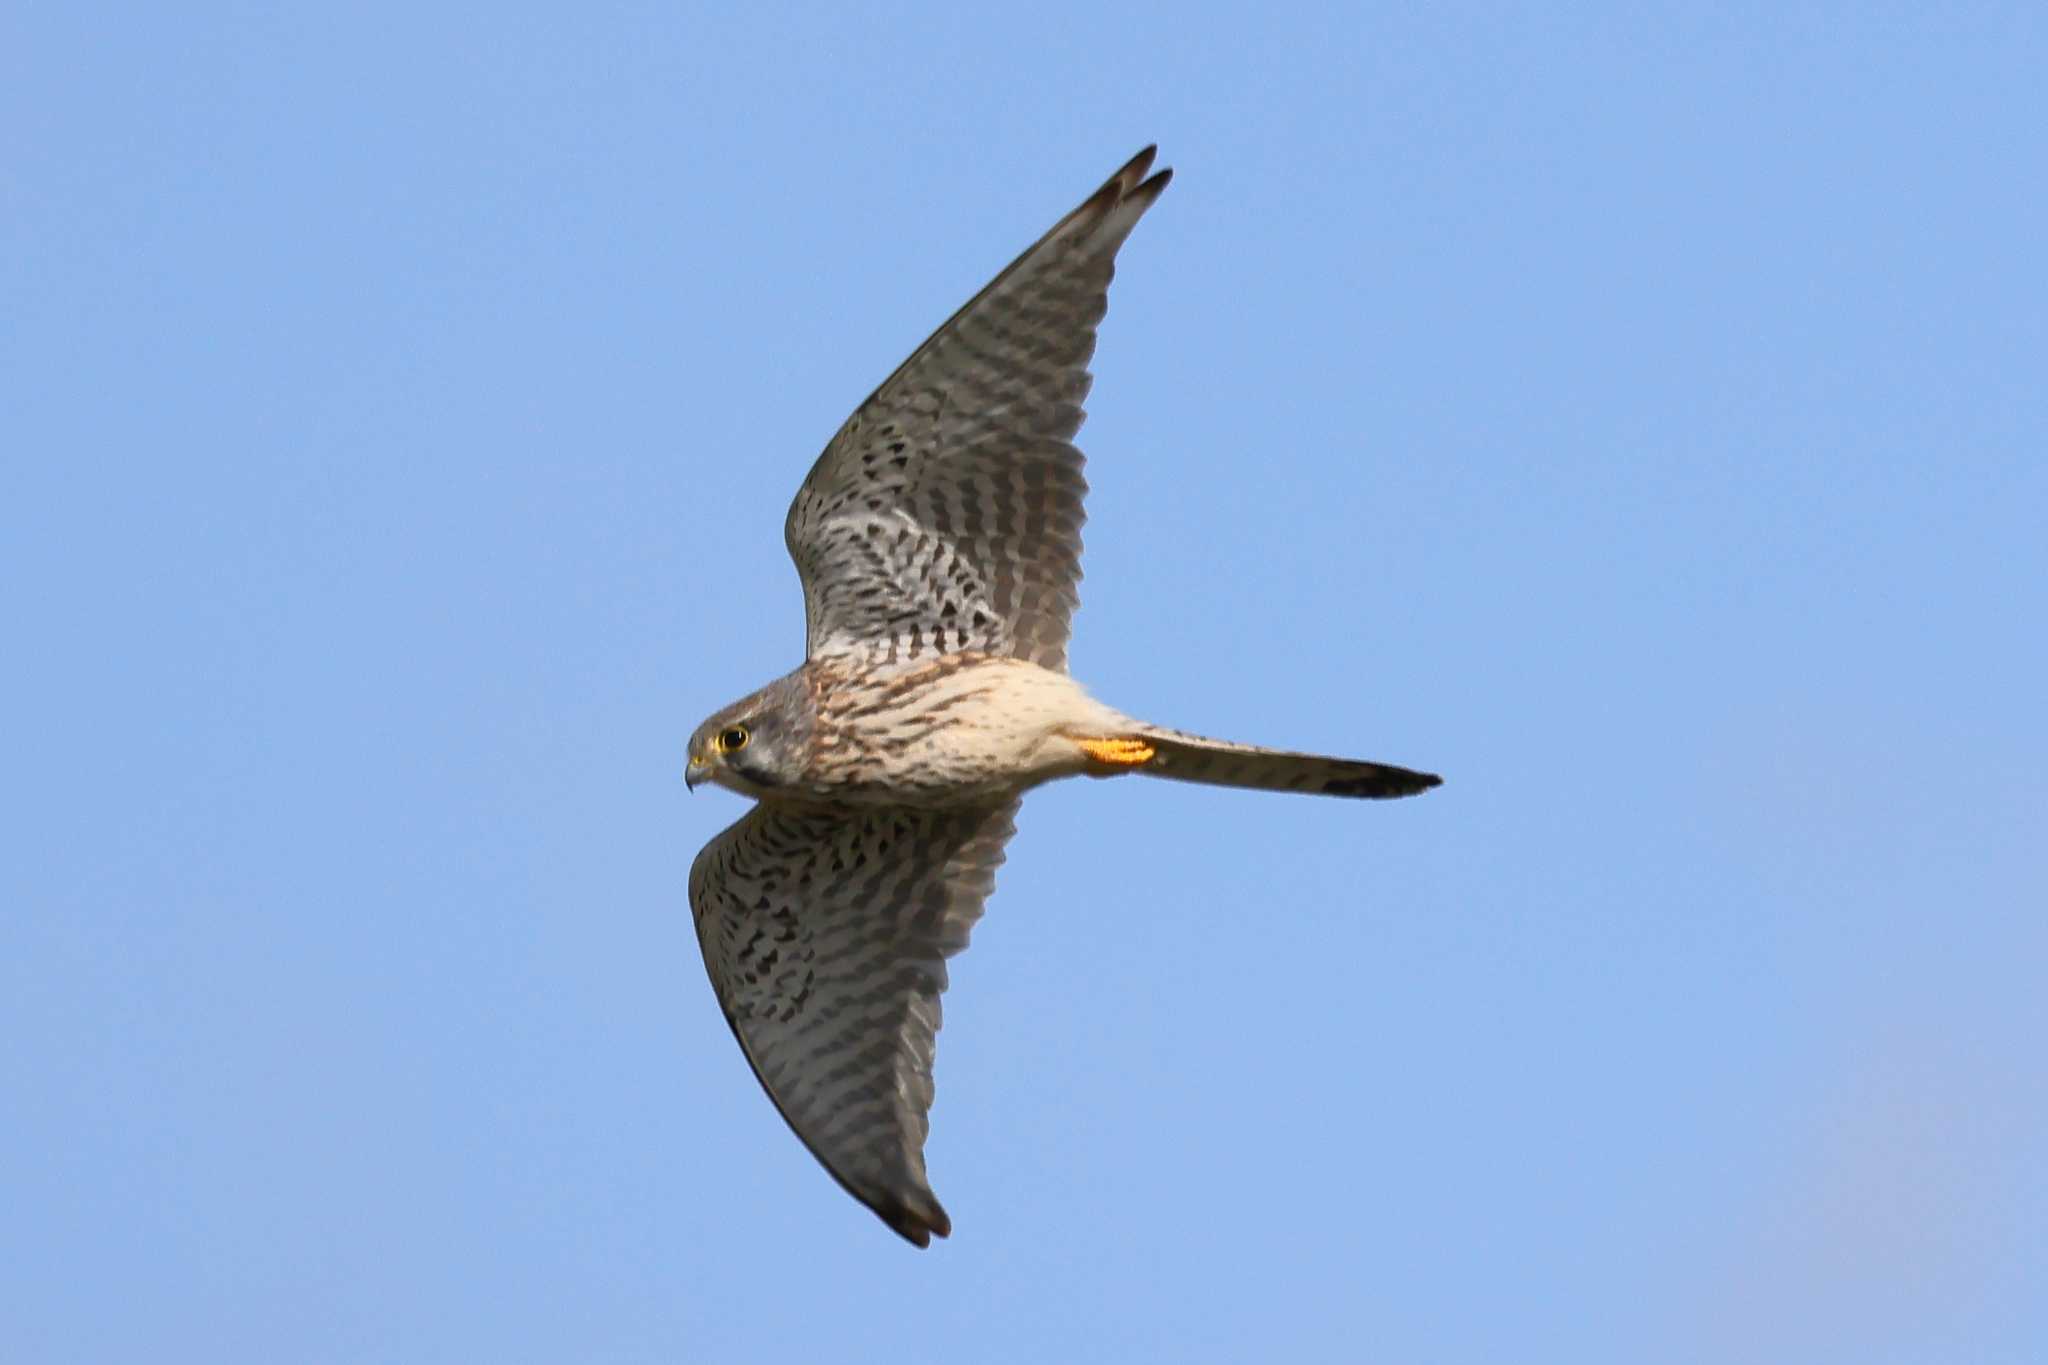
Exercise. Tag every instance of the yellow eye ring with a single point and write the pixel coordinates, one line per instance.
(732, 739)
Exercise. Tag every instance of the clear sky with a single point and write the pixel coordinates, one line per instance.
(1639, 421)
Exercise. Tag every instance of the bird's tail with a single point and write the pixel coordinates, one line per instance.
(1158, 752)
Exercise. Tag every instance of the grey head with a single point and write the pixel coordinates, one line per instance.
(757, 745)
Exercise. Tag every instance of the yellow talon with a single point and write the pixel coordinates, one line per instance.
(1118, 753)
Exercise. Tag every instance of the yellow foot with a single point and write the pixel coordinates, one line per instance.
(1118, 753)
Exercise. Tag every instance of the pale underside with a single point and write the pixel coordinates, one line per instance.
(944, 517)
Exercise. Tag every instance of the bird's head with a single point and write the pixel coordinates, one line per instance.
(755, 745)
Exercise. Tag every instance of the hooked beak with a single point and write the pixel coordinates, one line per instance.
(698, 771)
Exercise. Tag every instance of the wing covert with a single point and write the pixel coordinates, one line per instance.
(825, 932)
(946, 513)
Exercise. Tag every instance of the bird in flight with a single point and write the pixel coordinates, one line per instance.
(939, 539)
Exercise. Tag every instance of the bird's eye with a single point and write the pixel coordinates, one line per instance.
(732, 740)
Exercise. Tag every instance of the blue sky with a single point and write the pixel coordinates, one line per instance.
(1637, 419)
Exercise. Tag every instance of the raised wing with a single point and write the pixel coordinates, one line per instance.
(946, 514)
(826, 934)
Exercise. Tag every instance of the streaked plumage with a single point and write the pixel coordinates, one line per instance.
(938, 539)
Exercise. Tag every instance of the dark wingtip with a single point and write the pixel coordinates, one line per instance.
(917, 1229)
(1137, 185)
(1129, 182)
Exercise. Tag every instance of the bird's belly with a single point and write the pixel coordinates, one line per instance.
(966, 729)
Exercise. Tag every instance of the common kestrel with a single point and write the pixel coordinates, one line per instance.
(938, 539)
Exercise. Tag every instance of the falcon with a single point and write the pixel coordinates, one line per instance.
(938, 539)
